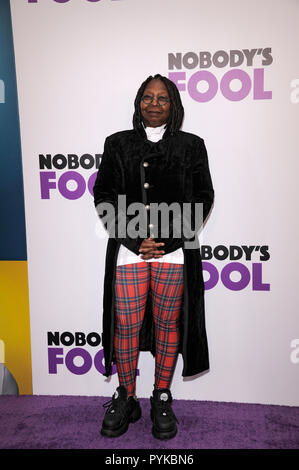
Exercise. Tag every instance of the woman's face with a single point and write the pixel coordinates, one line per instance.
(154, 115)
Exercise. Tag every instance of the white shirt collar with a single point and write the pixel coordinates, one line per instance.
(155, 132)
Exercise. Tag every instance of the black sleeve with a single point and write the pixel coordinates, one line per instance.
(106, 189)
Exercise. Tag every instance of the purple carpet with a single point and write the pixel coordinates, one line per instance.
(73, 422)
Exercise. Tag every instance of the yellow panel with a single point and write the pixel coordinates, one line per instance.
(15, 323)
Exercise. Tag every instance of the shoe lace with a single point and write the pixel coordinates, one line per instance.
(108, 404)
(113, 404)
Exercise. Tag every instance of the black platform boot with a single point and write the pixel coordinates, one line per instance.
(162, 415)
(121, 411)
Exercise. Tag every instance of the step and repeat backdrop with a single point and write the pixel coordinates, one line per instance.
(78, 65)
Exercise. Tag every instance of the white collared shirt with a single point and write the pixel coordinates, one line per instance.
(125, 256)
(154, 134)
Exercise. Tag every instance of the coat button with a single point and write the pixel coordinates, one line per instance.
(145, 164)
(147, 207)
(146, 185)
(151, 225)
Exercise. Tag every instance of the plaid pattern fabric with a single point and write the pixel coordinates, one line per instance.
(131, 289)
(167, 291)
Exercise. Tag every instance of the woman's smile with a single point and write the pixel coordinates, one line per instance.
(155, 114)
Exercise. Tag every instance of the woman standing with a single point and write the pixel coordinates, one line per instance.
(153, 286)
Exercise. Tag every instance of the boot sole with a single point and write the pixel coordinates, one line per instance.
(163, 435)
(135, 416)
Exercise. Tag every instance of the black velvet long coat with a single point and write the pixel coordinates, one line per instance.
(177, 170)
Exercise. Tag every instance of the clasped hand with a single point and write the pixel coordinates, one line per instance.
(149, 249)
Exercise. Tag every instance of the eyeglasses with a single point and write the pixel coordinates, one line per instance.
(161, 100)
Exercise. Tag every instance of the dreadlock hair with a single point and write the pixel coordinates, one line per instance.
(176, 108)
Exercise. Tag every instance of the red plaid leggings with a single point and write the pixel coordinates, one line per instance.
(131, 288)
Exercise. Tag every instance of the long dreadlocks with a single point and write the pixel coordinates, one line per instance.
(176, 108)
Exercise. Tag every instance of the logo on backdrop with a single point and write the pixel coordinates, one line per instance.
(70, 183)
(234, 85)
(243, 266)
(77, 352)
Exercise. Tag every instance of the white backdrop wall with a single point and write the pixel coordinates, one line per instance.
(79, 65)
